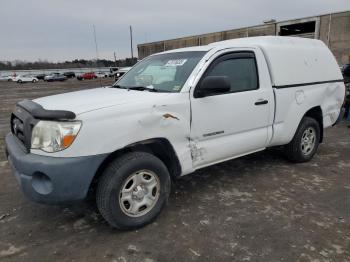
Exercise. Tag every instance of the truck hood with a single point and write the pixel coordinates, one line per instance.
(93, 99)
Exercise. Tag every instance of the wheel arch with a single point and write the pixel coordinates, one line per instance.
(160, 147)
(316, 113)
(285, 130)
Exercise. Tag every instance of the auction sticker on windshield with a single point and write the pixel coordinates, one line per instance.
(176, 62)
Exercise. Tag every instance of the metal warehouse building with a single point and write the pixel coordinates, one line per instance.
(333, 29)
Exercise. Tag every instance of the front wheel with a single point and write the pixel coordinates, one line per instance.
(305, 141)
(133, 190)
(34, 81)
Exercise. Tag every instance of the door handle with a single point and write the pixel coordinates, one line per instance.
(261, 102)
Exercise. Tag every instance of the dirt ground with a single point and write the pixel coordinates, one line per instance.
(256, 208)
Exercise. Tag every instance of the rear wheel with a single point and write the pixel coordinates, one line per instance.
(19, 81)
(133, 190)
(305, 141)
(34, 81)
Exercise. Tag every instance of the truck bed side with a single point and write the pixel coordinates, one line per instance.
(305, 76)
(294, 102)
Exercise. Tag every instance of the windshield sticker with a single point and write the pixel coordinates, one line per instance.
(176, 62)
(176, 88)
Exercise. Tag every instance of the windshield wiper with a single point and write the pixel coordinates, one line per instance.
(141, 88)
(118, 86)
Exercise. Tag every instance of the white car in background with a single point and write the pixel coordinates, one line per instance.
(5, 78)
(121, 72)
(25, 79)
(101, 74)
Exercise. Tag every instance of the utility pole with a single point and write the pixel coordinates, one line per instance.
(115, 60)
(96, 47)
(97, 56)
(132, 52)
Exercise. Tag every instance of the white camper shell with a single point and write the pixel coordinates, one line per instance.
(291, 60)
(171, 114)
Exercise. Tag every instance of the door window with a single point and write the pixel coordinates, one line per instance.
(241, 71)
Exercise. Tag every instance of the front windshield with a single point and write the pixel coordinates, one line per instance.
(163, 73)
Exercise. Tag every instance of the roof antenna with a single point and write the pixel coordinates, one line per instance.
(97, 57)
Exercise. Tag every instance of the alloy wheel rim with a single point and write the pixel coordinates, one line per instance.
(308, 141)
(139, 193)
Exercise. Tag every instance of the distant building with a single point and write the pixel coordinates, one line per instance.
(333, 29)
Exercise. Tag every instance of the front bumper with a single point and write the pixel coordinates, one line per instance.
(51, 180)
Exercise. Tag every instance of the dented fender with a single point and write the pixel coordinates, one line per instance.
(293, 103)
(163, 115)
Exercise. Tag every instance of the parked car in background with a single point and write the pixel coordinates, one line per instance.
(101, 74)
(5, 78)
(69, 74)
(87, 76)
(112, 71)
(26, 79)
(40, 76)
(55, 77)
(121, 72)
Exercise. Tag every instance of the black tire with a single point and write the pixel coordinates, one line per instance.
(294, 150)
(112, 181)
(33, 81)
(19, 81)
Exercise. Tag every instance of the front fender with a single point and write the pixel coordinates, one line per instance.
(109, 129)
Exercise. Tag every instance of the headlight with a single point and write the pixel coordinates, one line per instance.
(51, 136)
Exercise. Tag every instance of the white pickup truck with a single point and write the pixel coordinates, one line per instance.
(171, 114)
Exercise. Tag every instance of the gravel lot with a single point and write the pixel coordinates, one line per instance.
(256, 208)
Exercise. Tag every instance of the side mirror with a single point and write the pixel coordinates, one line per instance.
(213, 85)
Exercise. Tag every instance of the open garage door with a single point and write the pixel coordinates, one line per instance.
(301, 28)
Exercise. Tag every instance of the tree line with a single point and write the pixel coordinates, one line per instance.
(76, 63)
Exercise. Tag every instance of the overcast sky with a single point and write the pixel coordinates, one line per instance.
(59, 30)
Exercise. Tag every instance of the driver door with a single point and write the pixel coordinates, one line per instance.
(234, 123)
